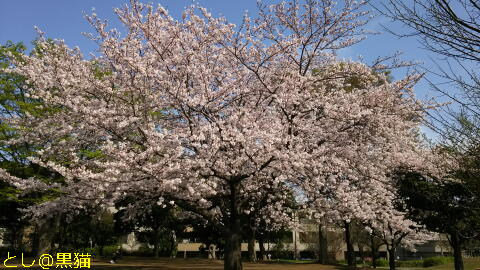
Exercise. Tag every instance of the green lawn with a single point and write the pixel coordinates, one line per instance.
(470, 264)
(140, 263)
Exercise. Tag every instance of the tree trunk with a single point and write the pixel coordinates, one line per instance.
(156, 242)
(350, 250)
(233, 237)
(251, 247)
(322, 245)
(34, 240)
(233, 253)
(457, 251)
(361, 253)
(391, 257)
(374, 250)
(156, 252)
(261, 244)
(173, 247)
(46, 232)
(295, 248)
(14, 239)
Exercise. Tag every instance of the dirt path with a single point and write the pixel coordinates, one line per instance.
(141, 263)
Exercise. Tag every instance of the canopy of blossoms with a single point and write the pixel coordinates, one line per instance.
(216, 116)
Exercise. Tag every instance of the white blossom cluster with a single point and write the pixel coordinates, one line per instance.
(227, 120)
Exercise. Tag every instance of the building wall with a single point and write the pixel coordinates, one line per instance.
(305, 244)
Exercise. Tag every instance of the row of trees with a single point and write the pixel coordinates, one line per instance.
(450, 30)
(240, 127)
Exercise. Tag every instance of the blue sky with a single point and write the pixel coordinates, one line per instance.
(64, 20)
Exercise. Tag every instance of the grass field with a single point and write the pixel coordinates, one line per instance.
(131, 263)
(141, 263)
(469, 263)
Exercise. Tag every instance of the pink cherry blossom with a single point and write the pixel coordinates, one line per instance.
(215, 115)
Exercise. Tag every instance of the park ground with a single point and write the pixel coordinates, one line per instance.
(141, 263)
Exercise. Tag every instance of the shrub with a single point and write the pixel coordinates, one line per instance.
(308, 254)
(432, 261)
(109, 250)
(412, 263)
(382, 263)
(144, 251)
(92, 251)
(4, 251)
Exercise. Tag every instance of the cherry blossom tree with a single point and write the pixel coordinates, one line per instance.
(392, 224)
(213, 115)
(394, 229)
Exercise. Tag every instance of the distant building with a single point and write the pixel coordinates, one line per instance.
(305, 242)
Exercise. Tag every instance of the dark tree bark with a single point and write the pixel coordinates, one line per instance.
(233, 255)
(350, 250)
(391, 257)
(251, 247)
(374, 249)
(322, 245)
(14, 239)
(361, 253)
(233, 234)
(156, 243)
(261, 244)
(173, 246)
(156, 249)
(456, 243)
(35, 240)
(46, 232)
